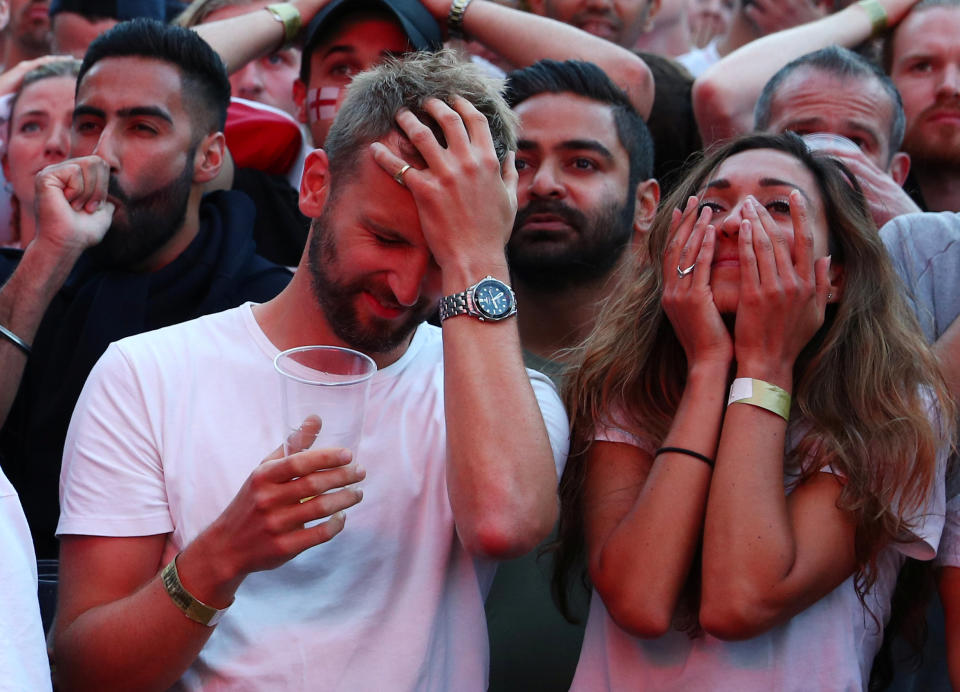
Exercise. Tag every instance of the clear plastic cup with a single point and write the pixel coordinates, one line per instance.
(329, 383)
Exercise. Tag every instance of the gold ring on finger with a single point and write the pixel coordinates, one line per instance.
(398, 176)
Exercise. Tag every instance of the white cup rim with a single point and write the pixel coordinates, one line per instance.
(345, 383)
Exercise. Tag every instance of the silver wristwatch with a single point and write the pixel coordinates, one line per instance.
(488, 299)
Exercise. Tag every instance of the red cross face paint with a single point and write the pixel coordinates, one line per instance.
(323, 103)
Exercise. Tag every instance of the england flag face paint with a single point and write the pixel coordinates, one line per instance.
(323, 103)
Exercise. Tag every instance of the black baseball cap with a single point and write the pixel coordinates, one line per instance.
(418, 24)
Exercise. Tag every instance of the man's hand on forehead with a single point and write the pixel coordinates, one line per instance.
(465, 198)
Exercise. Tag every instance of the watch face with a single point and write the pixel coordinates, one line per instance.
(492, 298)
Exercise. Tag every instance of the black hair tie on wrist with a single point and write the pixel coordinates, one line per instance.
(689, 452)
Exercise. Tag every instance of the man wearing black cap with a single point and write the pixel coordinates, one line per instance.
(347, 37)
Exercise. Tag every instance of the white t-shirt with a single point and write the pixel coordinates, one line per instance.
(169, 426)
(830, 646)
(23, 651)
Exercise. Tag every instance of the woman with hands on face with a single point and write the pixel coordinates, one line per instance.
(757, 438)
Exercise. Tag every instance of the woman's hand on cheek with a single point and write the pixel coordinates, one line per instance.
(783, 295)
(688, 299)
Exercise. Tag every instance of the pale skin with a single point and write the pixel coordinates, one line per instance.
(523, 39)
(124, 632)
(724, 96)
(766, 555)
(246, 37)
(883, 191)
(70, 186)
(501, 487)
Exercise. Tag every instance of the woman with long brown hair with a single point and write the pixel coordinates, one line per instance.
(757, 438)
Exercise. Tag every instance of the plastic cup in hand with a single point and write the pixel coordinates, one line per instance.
(326, 383)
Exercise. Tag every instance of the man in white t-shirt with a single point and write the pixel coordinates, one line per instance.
(412, 199)
(23, 660)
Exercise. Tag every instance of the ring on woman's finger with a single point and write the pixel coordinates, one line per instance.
(683, 272)
(398, 176)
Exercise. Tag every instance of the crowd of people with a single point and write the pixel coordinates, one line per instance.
(663, 298)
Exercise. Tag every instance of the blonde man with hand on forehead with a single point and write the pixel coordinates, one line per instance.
(461, 446)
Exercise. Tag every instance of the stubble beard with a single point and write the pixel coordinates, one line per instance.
(145, 223)
(933, 146)
(337, 299)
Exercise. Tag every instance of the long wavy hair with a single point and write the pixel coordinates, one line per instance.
(862, 385)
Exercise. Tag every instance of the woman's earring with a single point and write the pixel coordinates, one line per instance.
(829, 296)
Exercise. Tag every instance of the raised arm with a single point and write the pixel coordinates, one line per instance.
(725, 95)
(238, 40)
(73, 215)
(501, 475)
(524, 38)
(644, 513)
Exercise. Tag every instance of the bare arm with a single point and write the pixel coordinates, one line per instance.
(644, 515)
(72, 217)
(524, 38)
(724, 96)
(116, 626)
(238, 40)
(501, 477)
(23, 301)
(767, 556)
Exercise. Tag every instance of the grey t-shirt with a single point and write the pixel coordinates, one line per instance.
(925, 249)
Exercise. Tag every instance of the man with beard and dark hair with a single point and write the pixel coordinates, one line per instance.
(413, 199)
(586, 200)
(585, 194)
(126, 241)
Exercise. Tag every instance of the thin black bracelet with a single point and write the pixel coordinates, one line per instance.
(15, 340)
(689, 452)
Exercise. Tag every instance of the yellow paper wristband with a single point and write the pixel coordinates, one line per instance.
(289, 16)
(877, 15)
(746, 390)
